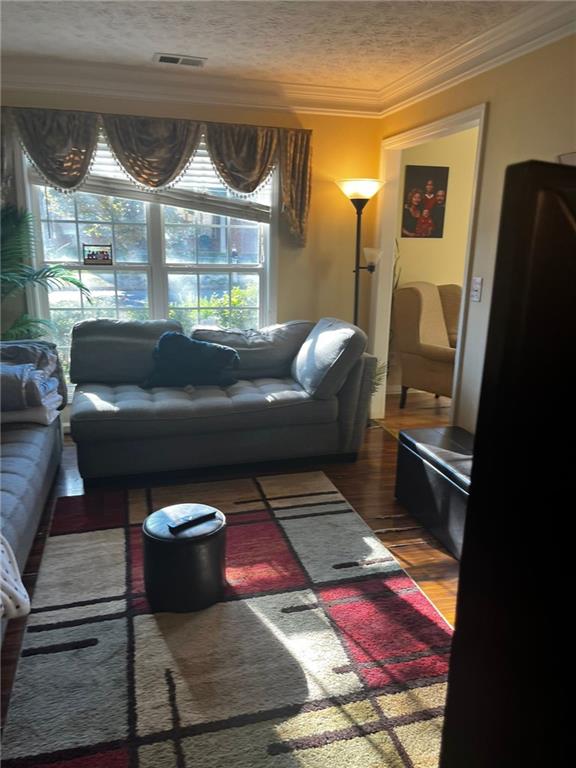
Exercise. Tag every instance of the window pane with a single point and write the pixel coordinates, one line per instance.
(63, 320)
(183, 290)
(214, 289)
(243, 318)
(102, 288)
(134, 314)
(187, 317)
(214, 317)
(180, 244)
(181, 216)
(59, 241)
(130, 241)
(56, 205)
(93, 207)
(244, 244)
(132, 290)
(95, 234)
(245, 290)
(211, 245)
(67, 296)
(174, 215)
(129, 211)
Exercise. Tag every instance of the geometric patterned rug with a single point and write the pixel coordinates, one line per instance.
(323, 654)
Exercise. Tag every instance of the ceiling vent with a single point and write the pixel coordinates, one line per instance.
(175, 59)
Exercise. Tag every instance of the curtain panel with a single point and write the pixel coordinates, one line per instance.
(295, 180)
(60, 144)
(244, 155)
(154, 152)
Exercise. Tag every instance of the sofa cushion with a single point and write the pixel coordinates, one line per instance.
(268, 352)
(179, 360)
(327, 357)
(115, 351)
(103, 412)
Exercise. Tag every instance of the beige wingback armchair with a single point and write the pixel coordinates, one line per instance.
(425, 334)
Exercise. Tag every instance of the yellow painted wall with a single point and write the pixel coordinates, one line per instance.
(441, 260)
(531, 115)
(314, 281)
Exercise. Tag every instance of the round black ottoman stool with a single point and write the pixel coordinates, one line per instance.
(184, 549)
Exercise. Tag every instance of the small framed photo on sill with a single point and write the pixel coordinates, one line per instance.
(97, 255)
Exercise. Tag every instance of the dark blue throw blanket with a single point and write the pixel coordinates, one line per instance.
(179, 360)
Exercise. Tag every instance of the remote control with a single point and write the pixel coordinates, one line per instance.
(190, 521)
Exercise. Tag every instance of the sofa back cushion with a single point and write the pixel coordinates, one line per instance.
(327, 357)
(266, 353)
(115, 351)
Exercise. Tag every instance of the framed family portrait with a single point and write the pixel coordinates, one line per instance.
(97, 255)
(424, 201)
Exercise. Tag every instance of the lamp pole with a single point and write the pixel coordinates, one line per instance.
(359, 192)
(359, 203)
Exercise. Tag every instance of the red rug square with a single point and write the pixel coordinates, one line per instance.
(118, 758)
(416, 669)
(258, 559)
(389, 626)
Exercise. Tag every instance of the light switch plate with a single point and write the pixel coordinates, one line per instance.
(476, 289)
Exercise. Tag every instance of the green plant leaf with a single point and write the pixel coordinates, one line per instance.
(17, 247)
(26, 327)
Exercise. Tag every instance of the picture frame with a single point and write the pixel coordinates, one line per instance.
(97, 254)
(424, 201)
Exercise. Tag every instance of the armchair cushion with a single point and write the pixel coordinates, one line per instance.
(435, 352)
(327, 357)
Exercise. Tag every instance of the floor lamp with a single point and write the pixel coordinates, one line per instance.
(359, 191)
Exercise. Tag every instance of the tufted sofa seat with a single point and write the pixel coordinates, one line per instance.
(104, 412)
(303, 390)
(30, 457)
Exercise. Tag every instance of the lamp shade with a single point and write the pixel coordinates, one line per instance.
(360, 189)
(372, 255)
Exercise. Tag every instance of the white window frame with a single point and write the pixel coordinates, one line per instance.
(156, 267)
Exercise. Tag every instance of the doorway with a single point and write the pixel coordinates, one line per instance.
(438, 260)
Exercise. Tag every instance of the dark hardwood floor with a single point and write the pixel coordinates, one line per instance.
(368, 484)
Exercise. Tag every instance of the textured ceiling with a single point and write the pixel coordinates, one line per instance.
(341, 43)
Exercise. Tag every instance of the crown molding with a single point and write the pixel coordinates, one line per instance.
(40, 76)
(535, 28)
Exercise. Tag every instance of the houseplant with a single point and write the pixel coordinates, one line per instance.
(17, 273)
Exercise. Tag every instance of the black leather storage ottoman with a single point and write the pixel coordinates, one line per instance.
(184, 557)
(433, 480)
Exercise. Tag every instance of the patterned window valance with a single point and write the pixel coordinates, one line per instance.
(155, 151)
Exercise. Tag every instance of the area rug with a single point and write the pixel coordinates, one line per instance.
(324, 653)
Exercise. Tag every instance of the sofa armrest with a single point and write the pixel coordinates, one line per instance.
(354, 403)
(327, 356)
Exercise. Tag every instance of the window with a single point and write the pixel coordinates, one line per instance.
(195, 252)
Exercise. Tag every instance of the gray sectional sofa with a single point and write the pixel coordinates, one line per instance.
(30, 458)
(303, 390)
(30, 454)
